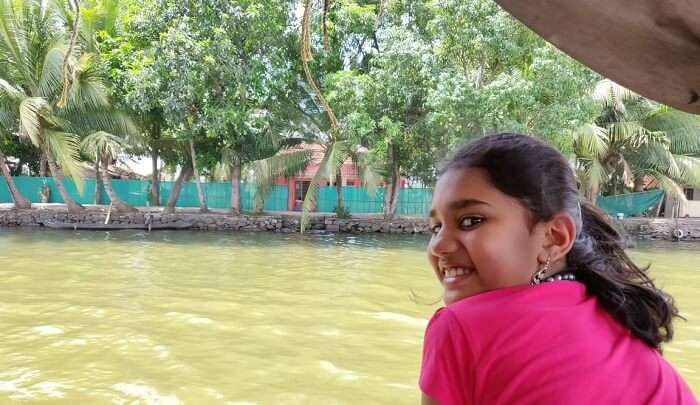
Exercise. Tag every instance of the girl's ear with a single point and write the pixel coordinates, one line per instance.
(559, 237)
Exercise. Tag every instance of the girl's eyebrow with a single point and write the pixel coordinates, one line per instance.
(459, 204)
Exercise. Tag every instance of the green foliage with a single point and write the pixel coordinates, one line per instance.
(632, 139)
(33, 49)
(407, 80)
(498, 75)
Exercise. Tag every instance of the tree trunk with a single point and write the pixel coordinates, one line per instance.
(340, 203)
(175, 192)
(17, 197)
(155, 174)
(236, 187)
(200, 191)
(117, 202)
(155, 179)
(391, 189)
(638, 183)
(42, 165)
(593, 196)
(98, 182)
(672, 207)
(57, 173)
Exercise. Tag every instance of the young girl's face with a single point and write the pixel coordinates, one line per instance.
(482, 239)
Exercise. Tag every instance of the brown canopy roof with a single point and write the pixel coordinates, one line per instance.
(649, 46)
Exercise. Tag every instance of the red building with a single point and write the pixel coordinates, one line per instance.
(299, 184)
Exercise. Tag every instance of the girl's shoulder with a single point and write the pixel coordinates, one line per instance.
(531, 311)
(530, 299)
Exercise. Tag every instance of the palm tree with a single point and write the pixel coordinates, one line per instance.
(17, 197)
(336, 151)
(266, 149)
(634, 138)
(53, 103)
(287, 163)
(106, 147)
(326, 127)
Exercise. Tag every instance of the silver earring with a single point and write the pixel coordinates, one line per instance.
(541, 273)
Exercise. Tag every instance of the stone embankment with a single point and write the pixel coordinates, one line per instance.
(288, 222)
(635, 228)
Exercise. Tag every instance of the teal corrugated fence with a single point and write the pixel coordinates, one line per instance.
(358, 200)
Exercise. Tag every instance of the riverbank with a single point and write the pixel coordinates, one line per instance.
(635, 228)
(216, 220)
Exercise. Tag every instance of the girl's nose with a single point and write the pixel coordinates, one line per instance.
(442, 243)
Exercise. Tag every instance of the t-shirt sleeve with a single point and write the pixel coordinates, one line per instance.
(445, 375)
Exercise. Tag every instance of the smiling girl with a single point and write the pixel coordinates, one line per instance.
(543, 305)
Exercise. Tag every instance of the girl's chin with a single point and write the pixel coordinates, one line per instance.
(458, 288)
(452, 296)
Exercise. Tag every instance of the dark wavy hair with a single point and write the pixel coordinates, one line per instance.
(537, 175)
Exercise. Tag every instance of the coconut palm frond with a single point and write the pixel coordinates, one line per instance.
(624, 131)
(10, 98)
(13, 39)
(673, 171)
(286, 164)
(87, 91)
(591, 140)
(368, 169)
(596, 174)
(65, 147)
(611, 94)
(51, 80)
(103, 144)
(337, 152)
(668, 185)
(654, 156)
(312, 192)
(31, 112)
(682, 129)
(112, 121)
(8, 118)
(10, 93)
(689, 168)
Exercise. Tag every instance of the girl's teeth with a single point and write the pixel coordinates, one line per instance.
(454, 272)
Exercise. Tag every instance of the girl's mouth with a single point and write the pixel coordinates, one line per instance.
(450, 275)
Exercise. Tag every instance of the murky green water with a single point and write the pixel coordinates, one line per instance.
(169, 318)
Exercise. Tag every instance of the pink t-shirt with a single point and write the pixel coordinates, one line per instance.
(548, 344)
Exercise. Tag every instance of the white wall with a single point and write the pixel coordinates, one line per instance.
(692, 209)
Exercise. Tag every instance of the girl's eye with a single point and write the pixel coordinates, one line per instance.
(434, 229)
(470, 222)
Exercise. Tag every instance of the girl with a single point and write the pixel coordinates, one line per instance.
(543, 305)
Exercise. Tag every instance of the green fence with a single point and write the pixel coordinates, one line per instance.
(357, 200)
(632, 204)
(30, 188)
(136, 193)
(412, 201)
